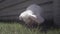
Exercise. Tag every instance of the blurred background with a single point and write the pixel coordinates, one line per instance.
(11, 9)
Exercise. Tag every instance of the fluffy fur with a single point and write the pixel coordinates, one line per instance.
(32, 15)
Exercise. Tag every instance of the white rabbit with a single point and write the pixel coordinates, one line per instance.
(31, 14)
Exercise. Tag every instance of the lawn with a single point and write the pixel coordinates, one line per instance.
(16, 28)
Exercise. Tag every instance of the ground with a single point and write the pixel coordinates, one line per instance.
(17, 28)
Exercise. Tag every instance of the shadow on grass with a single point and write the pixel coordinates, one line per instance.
(47, 25)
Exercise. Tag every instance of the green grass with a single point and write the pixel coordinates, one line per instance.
(16, 28)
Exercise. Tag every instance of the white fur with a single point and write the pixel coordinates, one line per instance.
(32, 12)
